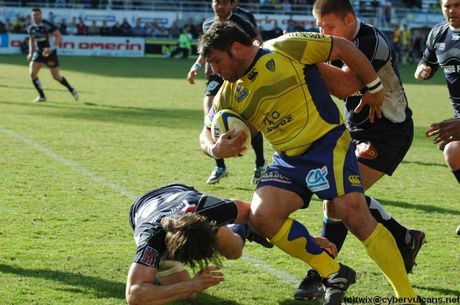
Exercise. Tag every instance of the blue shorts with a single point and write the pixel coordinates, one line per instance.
(213, 85)
(328, 169)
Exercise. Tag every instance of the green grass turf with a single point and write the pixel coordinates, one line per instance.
(70, 171)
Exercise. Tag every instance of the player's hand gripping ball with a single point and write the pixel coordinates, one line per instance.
(226, 119)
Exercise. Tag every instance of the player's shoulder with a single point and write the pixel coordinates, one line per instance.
(437, 32)
(207, 24)
(49, 24)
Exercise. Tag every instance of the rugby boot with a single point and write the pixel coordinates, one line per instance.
(336, 284)
(39, 99)
(411, 249)
(217, 174)
(310, 288)
(75, 94)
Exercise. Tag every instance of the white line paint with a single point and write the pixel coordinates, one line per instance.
(72, 164)
(281, 275)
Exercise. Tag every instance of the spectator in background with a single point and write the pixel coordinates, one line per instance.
(63, 26)
(81, 28)
(405, 43)
(276, 31)
(126, 29)
(93, 29)
(19, 25)
(175, 31)
(105, 29)
(148, 29)
(138, 29)
(2, 27)
(287, 7)
(397, 42)
(72, 26)
(194, 30)
(116, 29)
(185, 44)
(8, 25)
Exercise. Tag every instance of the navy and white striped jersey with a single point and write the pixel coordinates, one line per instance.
(175, 199)
(395, 109)
(41, 34)
(443, 49)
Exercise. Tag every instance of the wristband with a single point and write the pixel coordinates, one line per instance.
(197, 66)
(210, 152)
(374, 86)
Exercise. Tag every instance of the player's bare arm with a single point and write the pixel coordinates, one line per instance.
(358, 63)
(57, 41)
(195, 69)
(31, 48)
(141, 290)
(339, 82)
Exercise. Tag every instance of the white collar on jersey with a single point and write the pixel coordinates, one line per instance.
(454, 29)
(358, 27)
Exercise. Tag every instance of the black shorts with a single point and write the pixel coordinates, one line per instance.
(384, 150)
(213, 85)
(51, 61)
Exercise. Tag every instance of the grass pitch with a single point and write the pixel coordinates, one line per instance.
(70, 171)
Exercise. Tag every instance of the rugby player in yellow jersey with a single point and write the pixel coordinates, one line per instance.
(279, 91)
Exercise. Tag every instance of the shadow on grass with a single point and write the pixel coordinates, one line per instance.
(425, 163)
(90, 284)
(164, 117)
(442, 291)
(298, 302)
(101, 288)
(420, 207)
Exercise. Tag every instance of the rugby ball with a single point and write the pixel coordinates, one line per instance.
(226, 119)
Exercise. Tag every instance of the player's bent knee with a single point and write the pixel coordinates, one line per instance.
(452, 155)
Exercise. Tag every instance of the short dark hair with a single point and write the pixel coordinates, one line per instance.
(36, 9)
(191, 239)
(221, 36)
(325, 7)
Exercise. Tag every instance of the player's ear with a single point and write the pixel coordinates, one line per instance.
(348, 18)
(236, 49)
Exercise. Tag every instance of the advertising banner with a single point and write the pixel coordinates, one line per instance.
(82, 45)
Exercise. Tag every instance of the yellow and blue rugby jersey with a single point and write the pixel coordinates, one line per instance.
(283, 95)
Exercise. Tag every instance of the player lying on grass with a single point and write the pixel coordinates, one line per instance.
(176, 224)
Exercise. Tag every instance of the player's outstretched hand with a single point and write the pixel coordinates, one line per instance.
(207, 277)
(230, 144)
(327, 245)
(191, 76)
(444, 132)
(423, 72)
(375, 101)
(29, 57)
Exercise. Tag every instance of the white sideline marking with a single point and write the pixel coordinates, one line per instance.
(281, 275)
(72, 164)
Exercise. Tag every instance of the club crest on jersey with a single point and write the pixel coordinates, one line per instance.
(213, 85)
(316, 179)
(366, 151)
(270, 65)
(242, 93)
(149, 256)
(253, 75)
(455, 36)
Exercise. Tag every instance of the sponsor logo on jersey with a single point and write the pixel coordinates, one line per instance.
(440, 46)
(275, 177)
(366, 151)
(316, 179)
(355, 180)
(149, 256)
(242, 93)
(455, 36)
(270, 65)
(253, 75)
(274, 120)
(451, 69)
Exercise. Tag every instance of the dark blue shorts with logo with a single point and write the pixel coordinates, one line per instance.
(328, 169)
